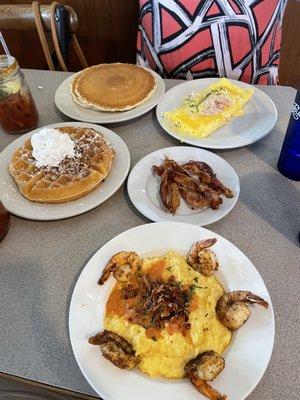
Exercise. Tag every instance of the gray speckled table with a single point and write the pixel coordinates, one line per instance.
(41, 261)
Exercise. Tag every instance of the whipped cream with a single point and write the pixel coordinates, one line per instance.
(50, 147)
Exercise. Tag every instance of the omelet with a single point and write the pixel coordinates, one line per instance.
(164, 352)
(204, 112)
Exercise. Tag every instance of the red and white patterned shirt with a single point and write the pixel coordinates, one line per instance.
(239, 39)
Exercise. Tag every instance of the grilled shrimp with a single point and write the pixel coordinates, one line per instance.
(204, 388)
(205, 367)
(116, 349)
(232, 310)
(122, 265)
(202, 259)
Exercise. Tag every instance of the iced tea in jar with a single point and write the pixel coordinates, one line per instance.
(18, 112)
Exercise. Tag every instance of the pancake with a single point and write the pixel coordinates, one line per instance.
(112, 87)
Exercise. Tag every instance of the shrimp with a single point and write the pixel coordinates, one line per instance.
(122, 265)
(232, 310)
(205, 367)
(115, 349)
(204, 388)
(202, 259)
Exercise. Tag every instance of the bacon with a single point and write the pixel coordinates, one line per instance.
(203, 172)
(130, 291)
(194, 181)
(161, 303)
(194, 199)
(169, 192)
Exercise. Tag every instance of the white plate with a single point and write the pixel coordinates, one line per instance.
(258, 120)
(67, 106)
(249, 351)
(143, 186)
(20, 206)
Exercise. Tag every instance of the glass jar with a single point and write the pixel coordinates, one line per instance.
(18, 112)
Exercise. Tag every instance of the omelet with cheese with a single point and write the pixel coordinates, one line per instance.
(204, 112)
(165, 349)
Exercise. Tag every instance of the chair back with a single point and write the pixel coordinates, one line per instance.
(61, 21)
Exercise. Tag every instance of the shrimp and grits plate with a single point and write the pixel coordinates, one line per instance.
(164, 310)
(216, 113)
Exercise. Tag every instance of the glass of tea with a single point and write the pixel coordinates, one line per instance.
(18, 112)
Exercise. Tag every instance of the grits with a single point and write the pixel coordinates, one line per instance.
(166, 351)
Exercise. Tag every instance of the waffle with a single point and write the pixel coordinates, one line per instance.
(73, 177)
(112, 87)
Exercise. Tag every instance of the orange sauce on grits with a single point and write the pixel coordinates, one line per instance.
(193, 304)
(153, 333)
(118, 305)
(157, 269)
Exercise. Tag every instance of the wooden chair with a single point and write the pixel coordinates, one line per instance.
(60, 21)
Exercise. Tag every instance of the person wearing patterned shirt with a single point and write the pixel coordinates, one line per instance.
(238, 39)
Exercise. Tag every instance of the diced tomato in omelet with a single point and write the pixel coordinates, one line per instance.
(202, 113)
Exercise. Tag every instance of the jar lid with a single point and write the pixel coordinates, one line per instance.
(8, 66)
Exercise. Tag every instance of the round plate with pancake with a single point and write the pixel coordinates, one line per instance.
(18, 205)
(65, 103)
(243, 369)
(143, 186)
(258, 120)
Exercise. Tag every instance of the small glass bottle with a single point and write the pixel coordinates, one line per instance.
(289, 160)
(18, 112)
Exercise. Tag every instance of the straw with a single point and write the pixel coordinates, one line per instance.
(4, 45)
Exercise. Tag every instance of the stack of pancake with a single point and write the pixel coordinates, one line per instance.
(112, 87)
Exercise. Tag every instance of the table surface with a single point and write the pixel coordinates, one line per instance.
(40, 261)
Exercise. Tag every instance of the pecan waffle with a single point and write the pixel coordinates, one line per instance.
(73, 177)
(112, 87)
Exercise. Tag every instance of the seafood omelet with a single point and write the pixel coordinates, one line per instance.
(203, 112)
(164, 351)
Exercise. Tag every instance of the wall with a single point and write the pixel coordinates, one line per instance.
(289, 71)
(107, 33)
